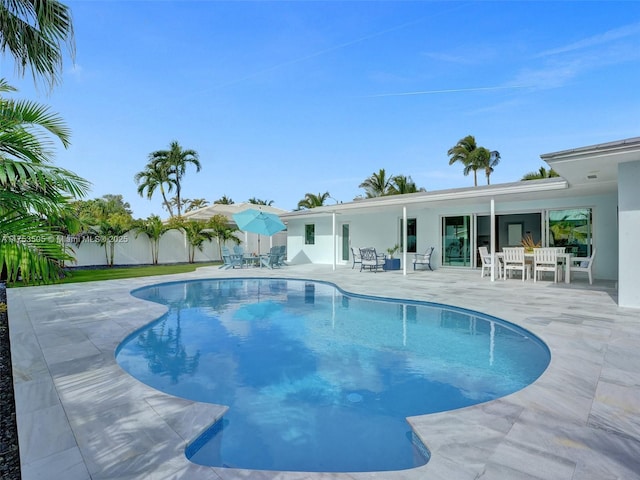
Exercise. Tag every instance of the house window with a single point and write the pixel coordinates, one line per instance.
(572, 229)
(412, 232)
(310, 234)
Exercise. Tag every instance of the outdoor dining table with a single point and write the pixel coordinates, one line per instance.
(564, 257)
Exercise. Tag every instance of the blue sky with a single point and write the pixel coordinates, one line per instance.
(284, 98)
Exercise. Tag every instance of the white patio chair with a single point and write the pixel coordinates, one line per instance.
(582, 264)
(485, 257)
(514, 260)
(423, 259)
(545, 260)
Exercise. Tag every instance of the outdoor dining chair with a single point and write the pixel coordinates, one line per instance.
(545, 260)
(485, 258)
(514, 260)
(583, 264)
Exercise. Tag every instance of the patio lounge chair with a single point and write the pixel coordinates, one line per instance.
(230, 260)
(282, 251)
(271, 260)
(355, 257)
(423, 259)
(370, 259)
(582, 264)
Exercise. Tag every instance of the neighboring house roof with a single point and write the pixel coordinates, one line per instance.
(206, 213)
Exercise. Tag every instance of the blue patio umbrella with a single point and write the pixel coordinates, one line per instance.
(257, 221)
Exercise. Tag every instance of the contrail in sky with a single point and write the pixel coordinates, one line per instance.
(450, 90)
(320, 52)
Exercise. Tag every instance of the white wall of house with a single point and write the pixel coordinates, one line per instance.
(382, 229)
(629, 226)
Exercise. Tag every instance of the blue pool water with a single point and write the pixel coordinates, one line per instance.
(317, 379)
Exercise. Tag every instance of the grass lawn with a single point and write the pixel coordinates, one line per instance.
(86, 275)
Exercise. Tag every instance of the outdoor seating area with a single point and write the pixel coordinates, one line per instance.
(517, 262)
(238, 259)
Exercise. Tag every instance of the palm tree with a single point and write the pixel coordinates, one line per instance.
(223, 231)
(34, 195)
(153, 227)
(401, 184)
(111, 230)
(377, 185)
(483, 159)
(224, 200)
(188, 204)
(32, 32)
(196, 231)
(155, 176)
(173, 163)
(463, 152)
(257, 201)
(312, 201)
(542, 173)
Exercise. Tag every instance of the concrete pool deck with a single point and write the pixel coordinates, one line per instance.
(82, 417)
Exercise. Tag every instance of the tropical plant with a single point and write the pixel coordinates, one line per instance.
(257, 201)
(483, 159)
(540, 174)
(32, 31)
(223, 231)
(172, 165)
(312, 201)
(153, 228)
(528, 243)
(194, 204)
(196, 231)
(401, 184)
(463, 152)
(110, 231)
(155, 176)
(34, 194)
(224, 200)
(188, 204)
(393, 250)
(377, 185)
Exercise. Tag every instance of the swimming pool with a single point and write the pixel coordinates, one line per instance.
(317, 379)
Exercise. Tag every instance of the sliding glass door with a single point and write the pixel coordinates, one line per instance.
(456, 241)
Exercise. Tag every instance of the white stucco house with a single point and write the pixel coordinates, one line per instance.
(595, 203)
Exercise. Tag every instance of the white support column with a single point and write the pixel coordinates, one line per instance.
(493, 240)
(404, 239)
(333, 236)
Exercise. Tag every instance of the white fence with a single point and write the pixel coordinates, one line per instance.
(132, 250)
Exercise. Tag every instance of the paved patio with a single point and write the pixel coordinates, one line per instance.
(80, 416)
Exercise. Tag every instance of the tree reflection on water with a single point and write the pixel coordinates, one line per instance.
(165, 352)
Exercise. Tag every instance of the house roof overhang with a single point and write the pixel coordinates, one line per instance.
(595, 164)
(458, 196)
